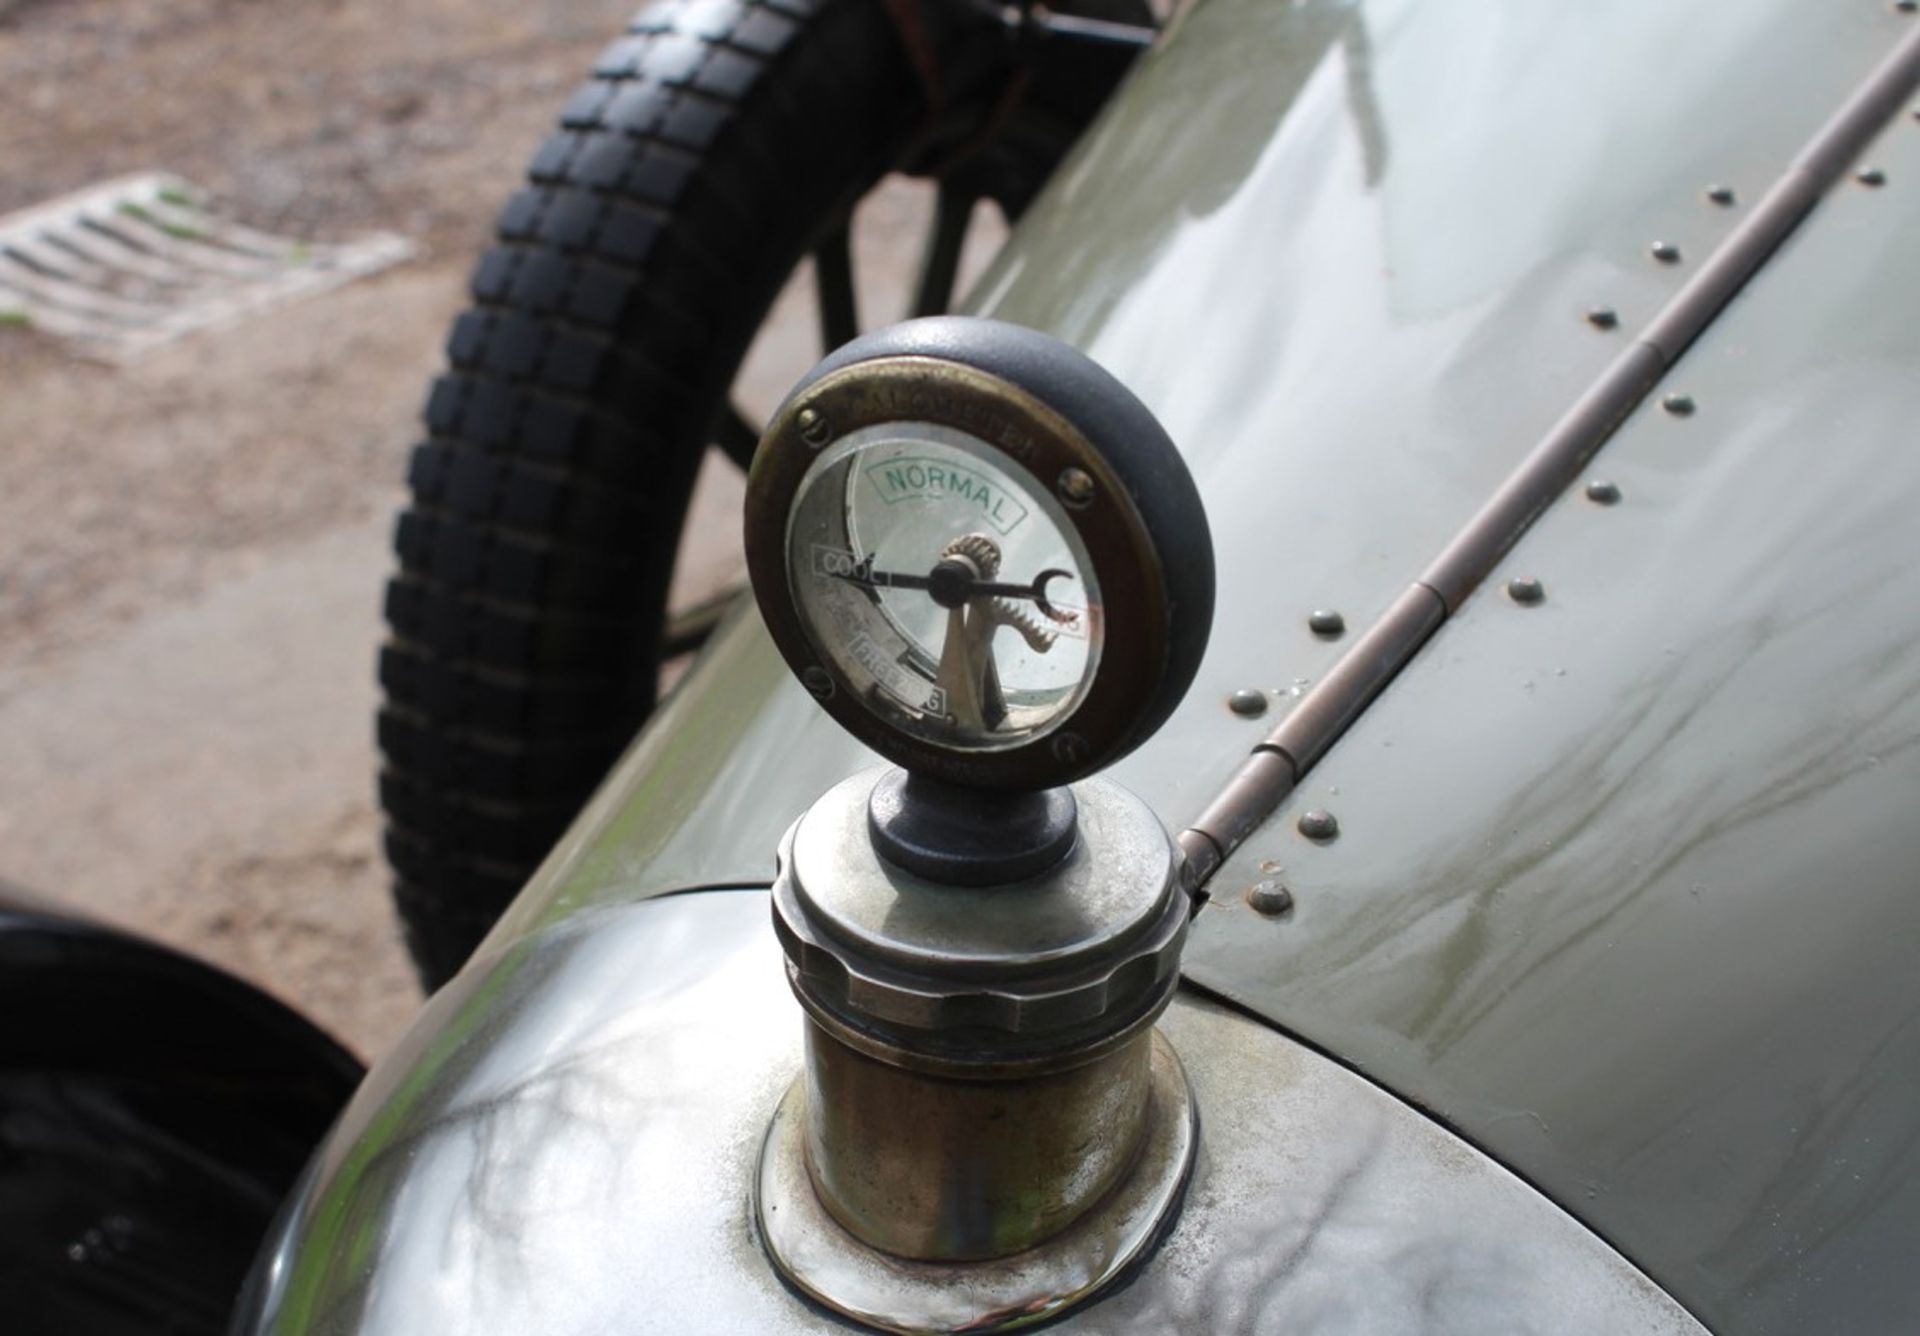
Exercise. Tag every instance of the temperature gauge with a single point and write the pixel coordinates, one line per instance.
(980, 553)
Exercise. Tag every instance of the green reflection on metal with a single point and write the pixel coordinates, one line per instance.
(345, 1225)
(702, 796)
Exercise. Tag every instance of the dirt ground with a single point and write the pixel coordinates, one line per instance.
(192, 547)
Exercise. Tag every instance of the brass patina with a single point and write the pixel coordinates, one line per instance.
(982, 1079)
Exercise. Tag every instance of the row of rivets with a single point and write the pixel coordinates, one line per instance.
(1326, 623)
(1605, 317)
(1527, 590)
(1271, 897)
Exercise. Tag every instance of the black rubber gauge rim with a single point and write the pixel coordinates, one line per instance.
(1051, 409)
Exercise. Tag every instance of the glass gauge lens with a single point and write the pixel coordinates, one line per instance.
(944, 586)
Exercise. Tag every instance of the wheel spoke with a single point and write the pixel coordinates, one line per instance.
(940, 260)
(833, 288)
(736, 435)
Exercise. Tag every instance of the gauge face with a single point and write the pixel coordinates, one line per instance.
(979, 553)
(944, 586)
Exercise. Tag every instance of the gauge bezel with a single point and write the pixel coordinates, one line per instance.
(826, 513)
(1142, 526)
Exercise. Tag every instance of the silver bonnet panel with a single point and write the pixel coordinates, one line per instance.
(1625, 883)
(565, 1144)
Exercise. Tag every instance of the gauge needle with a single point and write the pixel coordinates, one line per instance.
(952, 589)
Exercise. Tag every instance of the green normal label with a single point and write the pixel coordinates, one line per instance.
(910, 479)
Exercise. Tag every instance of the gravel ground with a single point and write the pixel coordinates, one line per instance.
(192, 547)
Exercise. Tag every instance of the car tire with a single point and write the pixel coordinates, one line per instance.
(686, 180)
(716, 144)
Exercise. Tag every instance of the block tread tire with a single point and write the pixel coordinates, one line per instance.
(687, 177)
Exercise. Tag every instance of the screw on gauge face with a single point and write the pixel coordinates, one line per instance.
(1603, 493)
(1318, 824)
(1603, 317)
(1069, 748)
(1076, 488)
(1870, 176)
(1326, 623)
(1721, 195)
(1680, 405)
(1269, 897)
(1525, 589)
(818, 682)
(1248, 703)
(1665, 252)
(814, 429)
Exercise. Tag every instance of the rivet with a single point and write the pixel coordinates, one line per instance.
(1326, 623)
(1069, 748)
(1680, 405)
(1525, 589)
(1602, 493)
(1318, 824)
(1248, 703)
(1075, 487)
(1269, 897)
(1721, 195)
(1665, 252)
(1603, 317)
(1870, 176)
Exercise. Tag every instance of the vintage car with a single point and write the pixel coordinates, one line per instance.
(1471, 453)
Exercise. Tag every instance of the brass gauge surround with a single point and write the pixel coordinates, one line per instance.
(980, 553)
